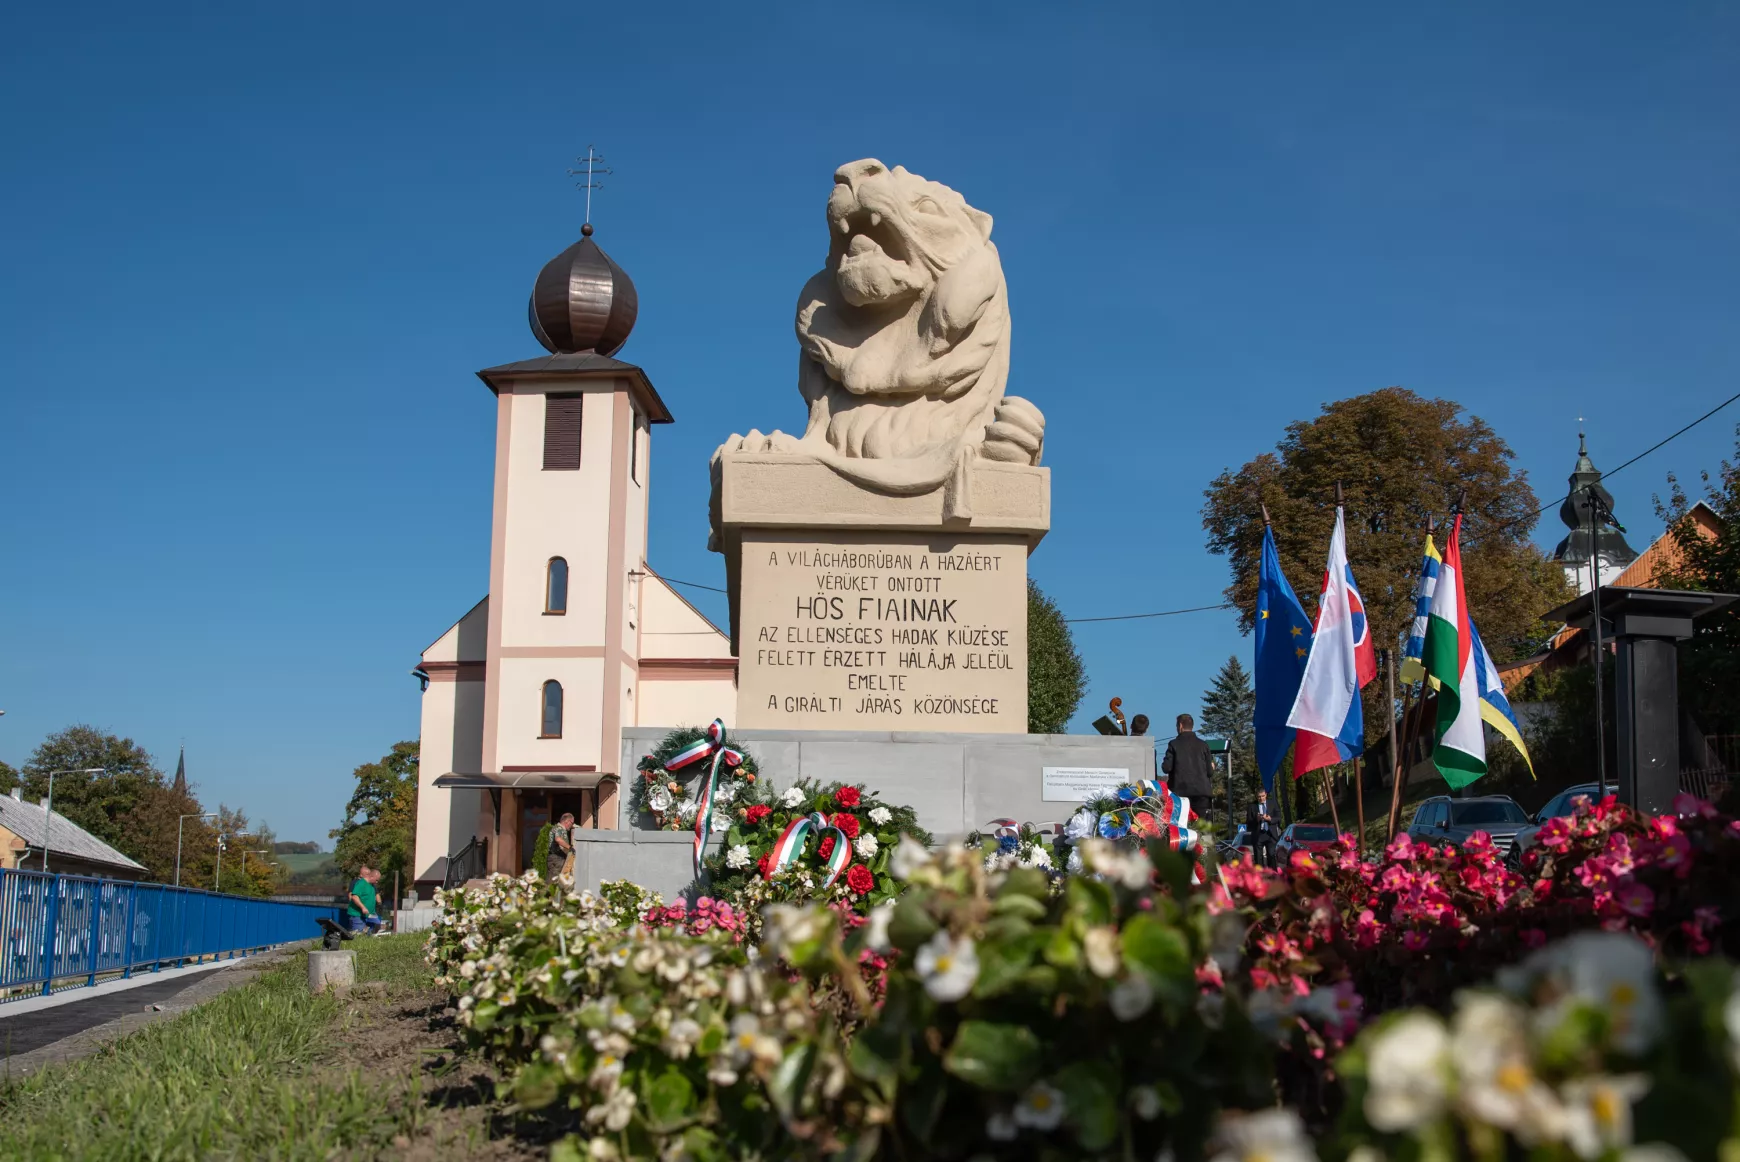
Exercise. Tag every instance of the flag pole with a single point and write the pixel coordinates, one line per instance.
(1286, 802)
(1410, 730)
(1329, 789)
(1358, 776)
(1395, 729)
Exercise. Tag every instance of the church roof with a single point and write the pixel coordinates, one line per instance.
(31, 823)
(1578, 515)
(581, 365)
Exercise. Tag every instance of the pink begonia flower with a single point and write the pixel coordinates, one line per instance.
(1619, 858)
(1366, 929)
(1414, 940)
(1555, 834)
(1533, 938)
(1208, 975)
(1707, 917)
(1675, 854)
(1695, 938)
(1480, 843)
(1262, 978)
(1401, 849)
(1300, 988)
(1636, 899)
(1686, 804)
(1662, 826)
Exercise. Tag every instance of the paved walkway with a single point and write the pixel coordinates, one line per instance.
(43, 1030)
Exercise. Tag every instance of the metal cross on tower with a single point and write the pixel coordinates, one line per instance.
(595, 169)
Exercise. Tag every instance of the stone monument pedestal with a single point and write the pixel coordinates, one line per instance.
(861, 609)
(334, 971)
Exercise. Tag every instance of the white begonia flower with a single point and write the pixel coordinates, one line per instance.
(908, 858)
(876, 928)
(606, 1073)
(1616, 972)
(1145, 1102)
(784, 925)
(738, 856)
(1598, 1113)
(1408, 1067)
(1498, 1082)
(881, 816)
(1731, 1022)
(1001, 1127)
(1263, 1136)
(1104, 956)
(1040, 1108)
(1652, 1152)
(748, 1042)
(792, 797)
(866, 846)
(615, 1111)
(1080, 825)
(721, 822)
(724, 792)
(680, 1038)
(602, 1150)
(948, 967)
(1131, 997)
(659, 799)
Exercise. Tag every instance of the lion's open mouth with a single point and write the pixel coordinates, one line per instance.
(866, 232)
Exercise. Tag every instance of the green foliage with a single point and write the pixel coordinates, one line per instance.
(245, 1075)
(380, 820)
(1401, 458)
(1229, 709)
(1710, 661)
(8, 778)
(1056, 677)
(541, 849)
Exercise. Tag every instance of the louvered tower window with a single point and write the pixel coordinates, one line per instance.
(561, 432)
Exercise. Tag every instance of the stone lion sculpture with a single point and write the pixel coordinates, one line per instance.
(904, 341)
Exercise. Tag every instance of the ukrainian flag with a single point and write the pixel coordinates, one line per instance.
(1413, 664)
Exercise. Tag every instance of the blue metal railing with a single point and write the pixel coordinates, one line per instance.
(55, 929)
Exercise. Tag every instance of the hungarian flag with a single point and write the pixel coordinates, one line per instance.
(1450, 661)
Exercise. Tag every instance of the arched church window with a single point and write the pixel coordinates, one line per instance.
(556, 587)
(552, 710)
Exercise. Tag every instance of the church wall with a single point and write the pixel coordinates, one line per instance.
(556, 514)
(520, 688)
(451, 740)
(689, 701)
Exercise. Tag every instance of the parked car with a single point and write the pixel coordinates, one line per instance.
(1564, 803)
(1311, 837)
(1446, 820)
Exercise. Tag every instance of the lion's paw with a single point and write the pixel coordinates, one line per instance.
(1016, 433)
(755, 442)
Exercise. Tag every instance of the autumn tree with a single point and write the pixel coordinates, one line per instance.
(380, 821)
(1056, 678)
(1400, 458)
(1710, 660)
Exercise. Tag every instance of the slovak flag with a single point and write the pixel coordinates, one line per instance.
(1327, 712)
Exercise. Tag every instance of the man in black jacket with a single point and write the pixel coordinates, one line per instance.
(1260, 829)
(1188, 766)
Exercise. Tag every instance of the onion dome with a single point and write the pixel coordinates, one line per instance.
(583, 301)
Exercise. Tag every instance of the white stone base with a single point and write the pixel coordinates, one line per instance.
(335, 971)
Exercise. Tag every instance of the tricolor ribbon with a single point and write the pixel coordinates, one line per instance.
(791, 844)
(713, 743)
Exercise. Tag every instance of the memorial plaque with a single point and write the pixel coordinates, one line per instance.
(1080, 784)
(882, 631)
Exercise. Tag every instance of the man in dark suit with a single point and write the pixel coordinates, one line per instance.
(1187, 765)
(1260, 830)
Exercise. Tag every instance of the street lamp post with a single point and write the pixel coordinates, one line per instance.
(217, 878)
(48, 823)
(179, 824)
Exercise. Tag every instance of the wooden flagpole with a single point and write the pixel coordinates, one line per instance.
(1396, 728)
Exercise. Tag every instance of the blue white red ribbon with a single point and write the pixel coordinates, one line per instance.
(713, 743)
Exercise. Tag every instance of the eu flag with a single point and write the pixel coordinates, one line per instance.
(1283, 644)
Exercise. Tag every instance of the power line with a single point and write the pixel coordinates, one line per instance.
(1614, 472)
(693, 584)
(1162, 613)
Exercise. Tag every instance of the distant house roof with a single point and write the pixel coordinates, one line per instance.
(30, 822)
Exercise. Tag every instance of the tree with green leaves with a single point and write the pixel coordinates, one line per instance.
(1056, 678)
(8, 778)
(1229, 709)
(380, 821)
(1400, 459)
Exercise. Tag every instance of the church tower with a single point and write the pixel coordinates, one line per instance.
(1594, 534)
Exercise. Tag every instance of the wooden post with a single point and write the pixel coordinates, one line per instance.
(1359, 794)
(1334, 813)
(395, 900)
(1396, 727)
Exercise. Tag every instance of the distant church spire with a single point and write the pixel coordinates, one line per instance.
(181, 772)
(1586, 542)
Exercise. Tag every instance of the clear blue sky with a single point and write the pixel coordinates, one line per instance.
(253, 255)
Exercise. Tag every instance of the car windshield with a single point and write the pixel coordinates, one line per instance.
(1484, 814)
(1313, 833)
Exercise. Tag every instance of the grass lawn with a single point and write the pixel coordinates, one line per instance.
(266, 1071)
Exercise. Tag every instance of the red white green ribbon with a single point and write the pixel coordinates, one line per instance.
(791, 844)
(713, 743)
